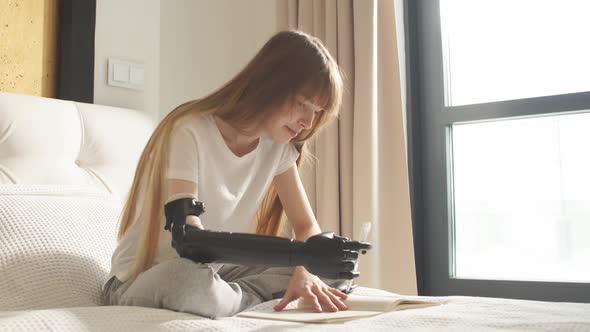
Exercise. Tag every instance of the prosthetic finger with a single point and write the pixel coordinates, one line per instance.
(357, 246)
(348, 275)
(350, 254)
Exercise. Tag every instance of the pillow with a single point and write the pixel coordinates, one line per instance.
(56, 245)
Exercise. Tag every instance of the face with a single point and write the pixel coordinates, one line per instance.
(291, 119)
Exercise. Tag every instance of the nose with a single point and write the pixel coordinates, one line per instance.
(306, 120)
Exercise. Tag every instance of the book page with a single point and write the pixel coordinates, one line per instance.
(378, 303)
(307, 316)
(359, 307)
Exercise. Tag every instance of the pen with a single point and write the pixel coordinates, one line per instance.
(366, 228)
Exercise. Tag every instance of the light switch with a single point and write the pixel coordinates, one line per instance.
(136, 75)
(121, 72)
(126, 73)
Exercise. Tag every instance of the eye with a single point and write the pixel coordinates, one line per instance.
(300, 105)
(304, 105)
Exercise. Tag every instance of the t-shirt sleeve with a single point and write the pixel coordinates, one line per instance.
(288, 158)
(183, 157)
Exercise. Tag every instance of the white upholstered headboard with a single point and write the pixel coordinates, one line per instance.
(58, 142)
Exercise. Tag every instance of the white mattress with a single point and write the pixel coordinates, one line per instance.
(459, 313)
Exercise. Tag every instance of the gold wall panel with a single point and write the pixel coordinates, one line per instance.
(28, 56)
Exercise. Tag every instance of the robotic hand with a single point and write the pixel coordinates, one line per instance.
(325, 255)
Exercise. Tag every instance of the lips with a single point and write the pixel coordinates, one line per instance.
(292, 132)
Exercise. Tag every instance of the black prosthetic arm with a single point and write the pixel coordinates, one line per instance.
(325, 255)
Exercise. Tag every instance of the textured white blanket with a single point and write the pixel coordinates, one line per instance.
(458, 314)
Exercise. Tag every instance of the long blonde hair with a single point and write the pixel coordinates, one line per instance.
(290, 63)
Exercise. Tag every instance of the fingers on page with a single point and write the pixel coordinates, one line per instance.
(338, 293)
(339, 304)
(288, 298)
(312, 299)
(326, 301)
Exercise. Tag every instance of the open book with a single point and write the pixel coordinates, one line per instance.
(358, 307)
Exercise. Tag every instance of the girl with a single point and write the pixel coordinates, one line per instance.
(237, 150)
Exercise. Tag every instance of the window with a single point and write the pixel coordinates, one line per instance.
(500, 141)
(521, 199)
(506, 49)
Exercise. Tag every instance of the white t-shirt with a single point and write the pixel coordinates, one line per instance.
(231, 187)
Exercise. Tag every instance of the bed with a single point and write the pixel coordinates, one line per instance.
(64, 171)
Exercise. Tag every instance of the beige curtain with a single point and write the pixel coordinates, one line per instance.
(361, 169)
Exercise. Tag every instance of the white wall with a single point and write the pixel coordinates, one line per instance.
(189, 47)
(204, 43)
(128, 29)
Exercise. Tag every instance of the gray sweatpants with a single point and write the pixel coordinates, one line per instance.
(209, 290)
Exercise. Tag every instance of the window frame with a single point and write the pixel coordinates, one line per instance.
(429, 135)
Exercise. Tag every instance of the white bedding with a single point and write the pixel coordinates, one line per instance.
(459, 313)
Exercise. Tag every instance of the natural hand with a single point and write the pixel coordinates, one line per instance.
(313, 292)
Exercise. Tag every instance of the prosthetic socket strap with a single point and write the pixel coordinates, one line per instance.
(176, 212)
(325, 255)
